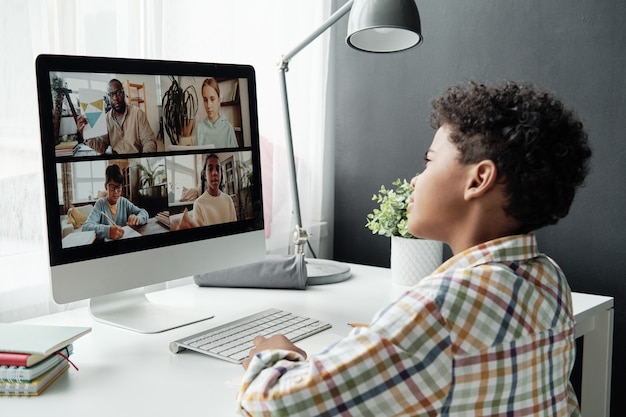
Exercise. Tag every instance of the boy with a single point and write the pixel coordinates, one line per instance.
(491, 331)
(112, 212)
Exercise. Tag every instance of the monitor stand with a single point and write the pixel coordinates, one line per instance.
(132, 310)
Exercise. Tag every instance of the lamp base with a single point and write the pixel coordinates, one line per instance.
(324, 271)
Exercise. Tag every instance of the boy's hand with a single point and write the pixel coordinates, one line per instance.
(133, 220)
(116, 232)
(277, 341)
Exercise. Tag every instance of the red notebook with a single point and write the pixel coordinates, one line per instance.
(20, 359)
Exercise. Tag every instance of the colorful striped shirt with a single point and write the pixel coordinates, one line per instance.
(489, 333)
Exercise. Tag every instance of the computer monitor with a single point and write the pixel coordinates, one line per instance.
(133, 199)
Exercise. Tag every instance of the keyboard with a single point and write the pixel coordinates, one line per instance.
(232, 341)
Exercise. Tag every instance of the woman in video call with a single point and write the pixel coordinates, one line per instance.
(112, 212)
(213, 206)
(215, 129)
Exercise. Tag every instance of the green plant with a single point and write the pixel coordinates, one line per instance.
(390, 219)
(152, 175)
(179, 109)
(245, 175)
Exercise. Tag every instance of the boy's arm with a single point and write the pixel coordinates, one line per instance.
(276, 342)
(93, 222)
(401, 364)
(141, 213)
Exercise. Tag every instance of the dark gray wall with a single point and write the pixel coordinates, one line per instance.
(380, 105)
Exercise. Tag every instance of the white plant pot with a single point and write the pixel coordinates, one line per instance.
(413, 259)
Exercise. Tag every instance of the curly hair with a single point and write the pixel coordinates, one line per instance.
(539, 147)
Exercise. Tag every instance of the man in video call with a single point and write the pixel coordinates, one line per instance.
(127, 126)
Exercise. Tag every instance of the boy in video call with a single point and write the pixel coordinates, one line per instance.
(127, 126)
(112, 212)
(491, 331)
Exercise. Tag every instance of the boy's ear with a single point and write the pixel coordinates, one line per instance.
(481, 179)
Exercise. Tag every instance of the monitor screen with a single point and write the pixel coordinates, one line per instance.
(151, 173)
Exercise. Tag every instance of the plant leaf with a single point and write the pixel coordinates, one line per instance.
(390, 218)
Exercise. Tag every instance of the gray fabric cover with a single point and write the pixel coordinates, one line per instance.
(276, 271)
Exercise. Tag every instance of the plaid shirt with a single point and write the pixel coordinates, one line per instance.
(489, 333)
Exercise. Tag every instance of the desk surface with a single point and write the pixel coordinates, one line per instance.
(131, 374)
(152, 227)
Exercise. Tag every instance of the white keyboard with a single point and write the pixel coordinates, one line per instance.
(233, 341)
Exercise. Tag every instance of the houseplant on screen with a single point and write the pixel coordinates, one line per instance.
(411, 258)
(180, 106)
(153, 190)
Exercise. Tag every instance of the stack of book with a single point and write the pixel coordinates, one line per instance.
(68, 148)
(163, 217)
(33, 356)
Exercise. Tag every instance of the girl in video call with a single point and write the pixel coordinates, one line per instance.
(213, 206)
(215, 129)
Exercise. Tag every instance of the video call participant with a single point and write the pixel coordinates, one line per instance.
(127, 126)
(491, 331)
(215, 129)
(112, 212)
(213, 206)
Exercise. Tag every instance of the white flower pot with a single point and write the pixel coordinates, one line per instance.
(413, 259)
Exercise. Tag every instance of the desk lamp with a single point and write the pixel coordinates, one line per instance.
(373, 26)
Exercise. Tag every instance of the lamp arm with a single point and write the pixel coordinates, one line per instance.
(300, 234)
(290, 152)
(284, 61)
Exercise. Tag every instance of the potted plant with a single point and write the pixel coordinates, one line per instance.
(411, 258)
(152, 189)
(245, 175)
(180, 106)
(390, 219)
(151, 174)
(151, 178)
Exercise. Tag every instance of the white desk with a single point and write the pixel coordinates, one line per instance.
(129, 374)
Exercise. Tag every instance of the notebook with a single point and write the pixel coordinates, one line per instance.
(128, 233)
(37, 339)
(34, 387)
(23, 373)
(78, 239)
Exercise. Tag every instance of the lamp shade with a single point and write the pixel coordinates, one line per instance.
(384, 25)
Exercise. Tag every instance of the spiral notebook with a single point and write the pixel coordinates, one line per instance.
(34, 387)
(27, 374)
